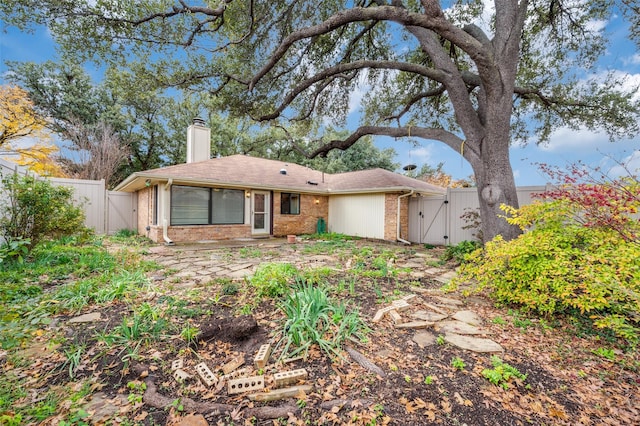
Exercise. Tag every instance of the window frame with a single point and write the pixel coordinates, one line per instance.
(210, 199)
(288, 201)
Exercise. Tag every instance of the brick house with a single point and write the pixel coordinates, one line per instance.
(247, 197)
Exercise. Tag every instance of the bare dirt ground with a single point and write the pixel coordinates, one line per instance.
(409, 376)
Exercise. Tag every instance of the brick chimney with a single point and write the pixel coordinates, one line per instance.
(198, 141)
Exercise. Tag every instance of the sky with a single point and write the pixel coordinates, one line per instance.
(566, 146)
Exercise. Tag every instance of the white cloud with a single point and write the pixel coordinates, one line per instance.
(565, 140)
(632, 60)
(628, 165)
(424, 153)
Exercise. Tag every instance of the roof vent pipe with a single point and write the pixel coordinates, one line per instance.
(197, 121)
(283, 171)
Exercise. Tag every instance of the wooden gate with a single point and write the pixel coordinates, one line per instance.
(121, 211)
(428, 220)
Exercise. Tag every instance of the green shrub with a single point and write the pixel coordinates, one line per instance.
(460, 251)
(272, 279)
(35, 209)
(561, 266)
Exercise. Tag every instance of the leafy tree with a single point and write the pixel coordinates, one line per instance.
(41, 158)
(362, 155)
(18, 119)
(474, 79)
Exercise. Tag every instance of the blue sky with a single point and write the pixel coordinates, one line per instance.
(566, 146)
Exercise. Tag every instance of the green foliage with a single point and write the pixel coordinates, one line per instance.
(606, 353)
(561, 266)
(14, 250)
(272, 279)
(502, 373)
(313, 318)
(458, 363)
(35, 210)
(461, 251)
(189, 334)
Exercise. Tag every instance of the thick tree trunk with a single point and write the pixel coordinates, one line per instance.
(496, 186)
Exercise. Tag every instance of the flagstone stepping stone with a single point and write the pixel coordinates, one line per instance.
(468, 317)
(435, 271)
(424, 339)
(429, 316)
(445, 278)
(91, 317)
(459, 327)
(415, 324)
(448, 301)
(240, 266)
(417, 274)
(474, 344)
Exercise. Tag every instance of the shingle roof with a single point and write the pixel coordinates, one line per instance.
(253, 172)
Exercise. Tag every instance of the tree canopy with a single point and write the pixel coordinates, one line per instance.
(474, 75)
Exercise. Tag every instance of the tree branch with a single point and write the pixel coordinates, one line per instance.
(441, 135)
(436, 22)
(345, 68)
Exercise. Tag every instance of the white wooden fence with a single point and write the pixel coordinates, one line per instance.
(106, 212)
(437, 219)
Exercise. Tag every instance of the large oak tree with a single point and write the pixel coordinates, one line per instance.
(474, 75)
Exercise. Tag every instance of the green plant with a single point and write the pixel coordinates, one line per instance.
(14, 250)
(189, 333)
(606, 353)
(73, 357)
(272, 279)
(428, 380)
(312, 318)
(136, 391)
(230, 288)
(458, 363)
(498, 320)
(502, 373)
(461, 251)
(440, 340)
(34, 209)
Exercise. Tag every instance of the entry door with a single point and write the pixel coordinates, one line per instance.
(260, 212)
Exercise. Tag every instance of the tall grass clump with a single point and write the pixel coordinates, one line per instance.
(314, 318)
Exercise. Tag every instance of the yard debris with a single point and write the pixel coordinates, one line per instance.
(364, 362)
(262, 357)
(233, 364)
(181, 375)
(277, 394)
(245, 384)
(177, 364)
(206, 375)
(395, 316)
(289, 377)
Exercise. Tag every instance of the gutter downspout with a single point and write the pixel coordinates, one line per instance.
(398, 218)
(165, 224)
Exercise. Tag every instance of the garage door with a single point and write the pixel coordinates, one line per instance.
(357, 215)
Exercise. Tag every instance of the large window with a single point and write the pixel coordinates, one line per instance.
(289, 203)
(206, 206)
